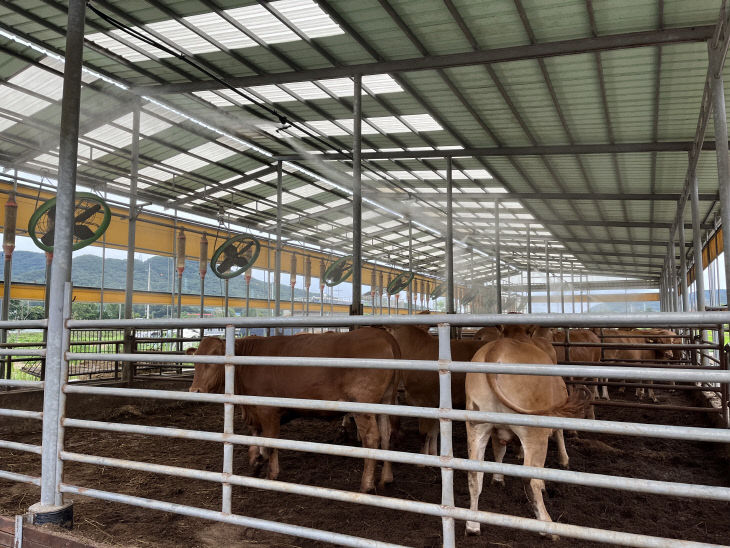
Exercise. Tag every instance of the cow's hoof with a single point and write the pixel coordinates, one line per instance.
(258, 466)
(473, 530)
(498, 481)
(367, 488)
(565, 466)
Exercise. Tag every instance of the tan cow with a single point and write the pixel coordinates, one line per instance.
(528, 394)
(320, 383)
(422, 387)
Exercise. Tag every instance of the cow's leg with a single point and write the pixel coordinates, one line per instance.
(535, 442)
(270, 426)
(430, 429)
(367, 427)
(604, 390)
(477, 435)
(384, 429)
(499, 447)
(563, 458)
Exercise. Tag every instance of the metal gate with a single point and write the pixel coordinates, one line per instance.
(55, 424)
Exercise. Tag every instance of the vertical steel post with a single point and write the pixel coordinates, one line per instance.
(572, 287)
(128, 367)
(61, 269)
(547, 274)
(697, 244)
(449, 239)
(410, 266)
(11, 216)
(673, 274)
(683, 266)
(277, 253)
(562, 285)
(497, 256)
(719, 118)
(447, 451)
(229, 388)
(717, 266)
(529, 273)
(357, 198)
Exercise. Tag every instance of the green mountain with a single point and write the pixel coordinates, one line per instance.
(154, 274)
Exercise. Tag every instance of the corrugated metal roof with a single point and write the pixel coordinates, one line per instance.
(507, 105)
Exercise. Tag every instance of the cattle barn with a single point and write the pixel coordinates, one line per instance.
(364, 273)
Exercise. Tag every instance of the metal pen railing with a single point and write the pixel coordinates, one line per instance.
(446, 461)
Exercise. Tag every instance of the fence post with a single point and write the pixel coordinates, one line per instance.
(447, 451)
(53, 509)
(229, 390)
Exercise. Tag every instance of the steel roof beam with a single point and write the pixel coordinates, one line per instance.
(535, 150)
(489, 198)
(469, 58)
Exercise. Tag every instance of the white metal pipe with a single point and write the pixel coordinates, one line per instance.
(719, 118)
(692, 433)
(256, 523)
(603, 481)
(686, 375)
(230, 372)
(20, 413)
(374, 500)
(447, 449)
(63, 240)
(646, 319)
(20, 478)
(16, 446)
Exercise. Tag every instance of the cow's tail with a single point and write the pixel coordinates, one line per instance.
(574, 406)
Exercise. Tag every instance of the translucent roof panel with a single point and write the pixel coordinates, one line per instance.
(308, 17)
(221, 30)
(19, 103)
(42, 82)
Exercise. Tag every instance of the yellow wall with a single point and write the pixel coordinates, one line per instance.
(156, 235)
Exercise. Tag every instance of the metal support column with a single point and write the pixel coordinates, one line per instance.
(449, 239)
(683, 267)
(51, 497)
(719, 118)
(562, 285)
(11, 216)
(357, 199)
(277, 252)
(446, 449)
(128, 367)
(697, 244)
(547, 274)
(410, 266)
(673, 275)
(529, 274)
(497, 256)
(572, 287)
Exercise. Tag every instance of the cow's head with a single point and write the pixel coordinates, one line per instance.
(208, 377)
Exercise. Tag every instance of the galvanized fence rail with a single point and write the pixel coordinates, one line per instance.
(7, 383)
(446, 461)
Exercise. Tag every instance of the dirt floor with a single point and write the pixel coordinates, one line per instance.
(123, 525)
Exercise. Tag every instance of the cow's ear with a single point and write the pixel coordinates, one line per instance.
(192, 350)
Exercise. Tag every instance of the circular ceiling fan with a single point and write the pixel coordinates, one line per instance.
(91, 218)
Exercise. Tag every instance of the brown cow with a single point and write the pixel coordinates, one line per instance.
(320, 383)
(634, 355)
(422, 387)
(580, 353)
(503, 393)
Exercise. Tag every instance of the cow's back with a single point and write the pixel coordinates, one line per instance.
(330, 383)
(578, 353)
